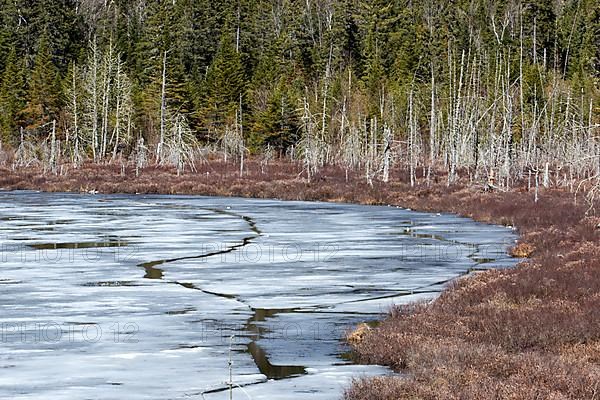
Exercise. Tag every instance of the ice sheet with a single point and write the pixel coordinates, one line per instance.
(147, 297)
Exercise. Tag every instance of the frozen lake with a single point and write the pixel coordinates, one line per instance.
(147, 297)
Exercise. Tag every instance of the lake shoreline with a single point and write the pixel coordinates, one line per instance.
(536, 321)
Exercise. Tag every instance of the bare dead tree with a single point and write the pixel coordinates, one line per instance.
(179, 147)
(310, 145)
(141, 155)
(53, 161)
(163, 109)
(73, 134)
(388, 139)
(25, 155)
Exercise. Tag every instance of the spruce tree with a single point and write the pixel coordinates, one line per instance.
(12, 98)
(376, 18)
(276, 125)
(161, 45)
(6, 31)
(44, 88)
(223, 87)
(405, 46)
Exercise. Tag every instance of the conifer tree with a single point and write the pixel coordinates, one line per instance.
(376, 17)
(43, 96)
(276, 124)
(160, 70)
(223, 87)
(12, 97)
(6, 31)
(405, 47)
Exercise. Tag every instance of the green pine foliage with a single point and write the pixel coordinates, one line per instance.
(43, 96)
(257, 61)
(223, 88)
(12, 98)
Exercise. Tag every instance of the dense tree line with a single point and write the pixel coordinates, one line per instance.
(497, 87)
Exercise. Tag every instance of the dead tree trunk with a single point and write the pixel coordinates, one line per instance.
(163, 109)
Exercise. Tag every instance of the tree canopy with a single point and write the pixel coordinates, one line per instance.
(216, 62)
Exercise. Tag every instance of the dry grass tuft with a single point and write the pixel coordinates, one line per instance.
(522, 250)
(357, 335)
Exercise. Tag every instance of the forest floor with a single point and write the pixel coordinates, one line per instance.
(529, 332)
